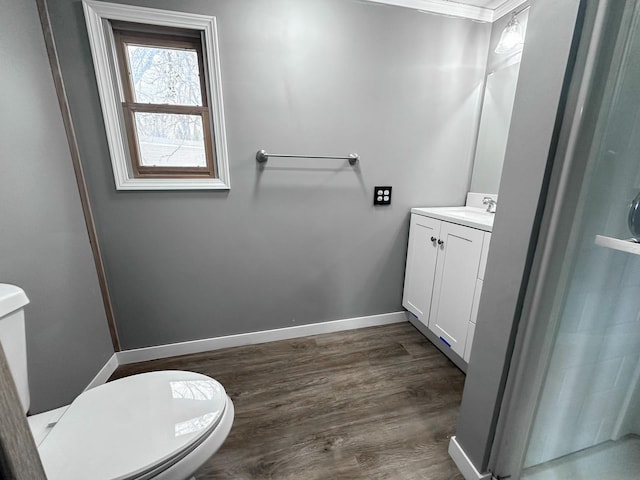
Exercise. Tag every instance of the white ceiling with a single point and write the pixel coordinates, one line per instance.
(483, 10)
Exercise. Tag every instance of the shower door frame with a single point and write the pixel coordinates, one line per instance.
(539, 322)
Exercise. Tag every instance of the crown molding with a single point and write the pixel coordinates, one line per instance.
(444, 8)
(507, 7)
(455, 9)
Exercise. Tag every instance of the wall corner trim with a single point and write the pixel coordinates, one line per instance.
(251, 338)
(74, 152)
(463, 462)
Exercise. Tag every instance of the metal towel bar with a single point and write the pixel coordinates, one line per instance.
(262, 157)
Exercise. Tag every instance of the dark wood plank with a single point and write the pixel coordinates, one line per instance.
(74, 151)
(374, 403)
(19, 459)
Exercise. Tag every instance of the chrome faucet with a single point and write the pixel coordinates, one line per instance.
(490, 203)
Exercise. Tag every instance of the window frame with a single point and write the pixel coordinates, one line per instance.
(104, 22)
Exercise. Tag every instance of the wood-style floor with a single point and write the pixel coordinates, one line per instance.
(374, 403)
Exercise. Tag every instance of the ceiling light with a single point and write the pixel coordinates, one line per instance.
(512, 37)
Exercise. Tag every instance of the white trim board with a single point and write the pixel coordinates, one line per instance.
(455, 9)
(251, 338)
(463, 462)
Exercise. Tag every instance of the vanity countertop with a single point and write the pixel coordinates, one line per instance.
(468, 216)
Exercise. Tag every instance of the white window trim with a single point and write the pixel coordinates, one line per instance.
(97, 15)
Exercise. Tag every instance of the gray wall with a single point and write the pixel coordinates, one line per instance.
(300, 241)
(541, 80)
(44, 247)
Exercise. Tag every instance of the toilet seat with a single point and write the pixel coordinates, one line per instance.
(135, 427)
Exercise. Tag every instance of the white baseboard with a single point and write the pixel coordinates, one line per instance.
(105, 372)
(464, 464)
(197, 346)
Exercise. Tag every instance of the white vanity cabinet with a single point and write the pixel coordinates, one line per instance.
(443, 278)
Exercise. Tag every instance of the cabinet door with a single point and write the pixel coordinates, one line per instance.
(421, 266)
(456, 274)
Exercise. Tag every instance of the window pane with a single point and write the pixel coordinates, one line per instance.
(164, 75)
(170, 140)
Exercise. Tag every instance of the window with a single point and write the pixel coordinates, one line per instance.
(159, 83)
(165, 104)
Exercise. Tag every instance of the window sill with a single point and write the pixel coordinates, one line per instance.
(171, 184)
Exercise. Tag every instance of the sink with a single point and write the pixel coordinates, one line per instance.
(477, 214)
(468, 216)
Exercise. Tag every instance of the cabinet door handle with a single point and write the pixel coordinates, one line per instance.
(433, 239)
(440, 242)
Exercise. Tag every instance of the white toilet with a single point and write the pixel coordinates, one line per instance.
(159, 425)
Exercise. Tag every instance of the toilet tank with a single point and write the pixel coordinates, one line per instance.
(13, 339)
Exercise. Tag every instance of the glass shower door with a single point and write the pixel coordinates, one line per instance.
(587, 421)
